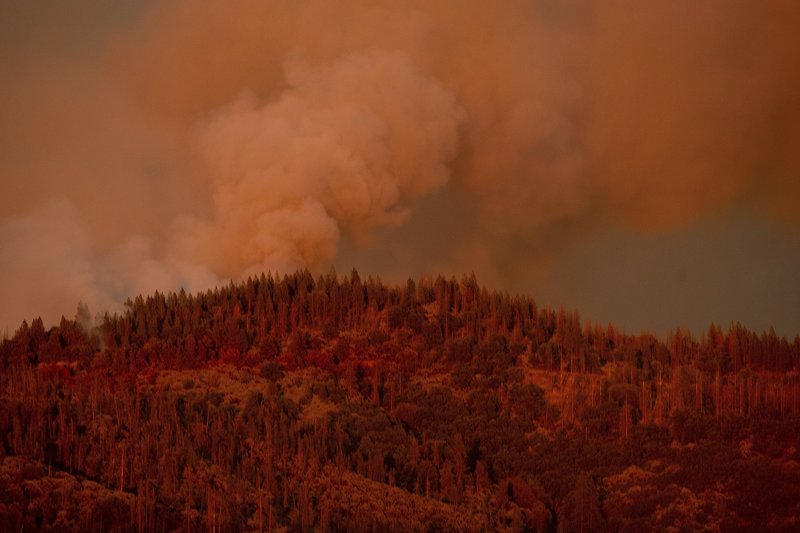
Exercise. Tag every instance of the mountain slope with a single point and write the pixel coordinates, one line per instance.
(341, 404)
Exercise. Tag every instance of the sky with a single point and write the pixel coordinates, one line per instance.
(637, 161)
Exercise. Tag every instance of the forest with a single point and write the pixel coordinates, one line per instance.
(336, 403)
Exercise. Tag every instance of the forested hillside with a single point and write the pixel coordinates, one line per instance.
(341, 404)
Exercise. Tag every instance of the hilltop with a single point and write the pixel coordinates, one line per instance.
(337, 403)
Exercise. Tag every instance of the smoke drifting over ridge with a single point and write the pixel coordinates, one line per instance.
(207, 141)
(348, 145)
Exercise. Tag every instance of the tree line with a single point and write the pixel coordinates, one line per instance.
(339, 404)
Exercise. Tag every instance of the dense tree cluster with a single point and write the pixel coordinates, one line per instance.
(340, 404)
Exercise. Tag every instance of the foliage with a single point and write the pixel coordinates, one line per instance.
(342, 404)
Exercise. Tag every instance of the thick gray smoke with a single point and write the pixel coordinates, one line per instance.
(192, 142)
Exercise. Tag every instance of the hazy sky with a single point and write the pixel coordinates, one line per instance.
(639, 161)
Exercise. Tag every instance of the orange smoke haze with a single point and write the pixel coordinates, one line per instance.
(193, 142)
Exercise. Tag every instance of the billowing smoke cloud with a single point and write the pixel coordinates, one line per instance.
(198, 141)
(348, 145)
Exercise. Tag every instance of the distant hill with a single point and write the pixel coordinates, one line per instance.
(341, 404)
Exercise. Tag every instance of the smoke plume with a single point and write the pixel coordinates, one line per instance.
(192, 142)
(346, 146)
